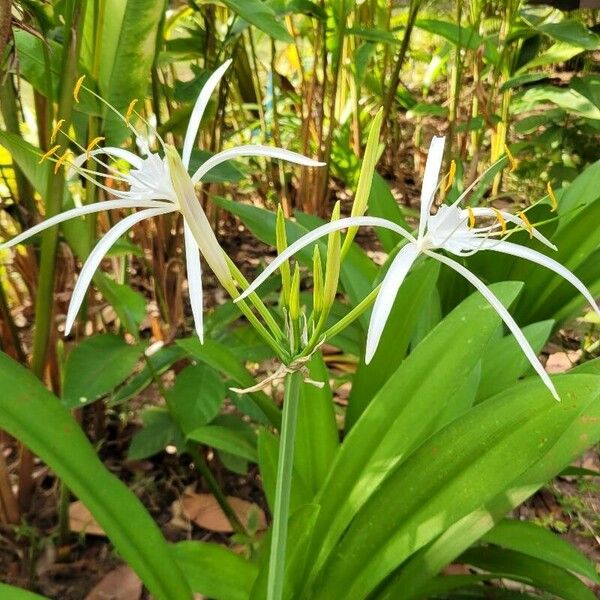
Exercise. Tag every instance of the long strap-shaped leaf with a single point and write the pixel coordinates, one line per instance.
(12, 593)
(33, 415)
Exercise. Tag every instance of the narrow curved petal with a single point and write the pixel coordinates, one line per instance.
(253, 150)
(490, 212)
(317, 233)
(544, 261)
(78, 212)
(430, 179)
(387, 296)
(111, 151)
(194, 277)
(504, 315)
(97, 254)
(198, 111)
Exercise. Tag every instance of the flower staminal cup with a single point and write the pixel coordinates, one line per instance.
(159, 185)
(454, 230)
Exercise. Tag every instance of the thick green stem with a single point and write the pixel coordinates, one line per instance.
(283, 487)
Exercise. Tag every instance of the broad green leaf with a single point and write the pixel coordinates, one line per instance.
(536, 541)
(27, 158)
(232, 435)
(8, 592)
(406, 411)
(196, 397)
(95, 367)
(583, 432)
(317, 437)
(158, 432)
(566, 98)
(35, 417)
(260, 15)
(128, 47)
(557, 53)
(215, 571)
(571, 32)
(373, 34)
(468, 463)
(504, 362)
(160, 362)
(129, 304)
(400, 326)
(220, 357)
(464, 36)
(532, 571)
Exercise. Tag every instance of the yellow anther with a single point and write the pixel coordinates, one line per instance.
(527, 223)
(55, 130)
(130, 110)
(471, 217)
(91, 145)
(511, 158)
(553, 198)
(49, 153)
(451, 175)
(61, 160)
(77, 88)
(500, 219)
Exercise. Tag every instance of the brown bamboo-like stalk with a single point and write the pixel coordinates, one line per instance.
(455, 82)
(5, 23)
(44, 300)
(7, 498)
(388, 102)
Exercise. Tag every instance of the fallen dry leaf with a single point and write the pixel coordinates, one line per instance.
(560, 362)
(205, 512)
(120, 584)
(82, 521)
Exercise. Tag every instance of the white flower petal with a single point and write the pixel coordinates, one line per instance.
(194, 277)
(77, 212)
(317, 233)
(253, 150)
(504, 315)
(430, 179)
(387, 296)
(97, 254)
(490, 212)
(544, 261)
(198, 111)
(111, 151)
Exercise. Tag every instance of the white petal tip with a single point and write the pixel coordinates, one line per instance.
(369, 353)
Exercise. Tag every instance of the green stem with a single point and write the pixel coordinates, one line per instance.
(283, 487)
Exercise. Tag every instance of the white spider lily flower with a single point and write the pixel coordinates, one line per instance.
(451, 229)
(159, 185)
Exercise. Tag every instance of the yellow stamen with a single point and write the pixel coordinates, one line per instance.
(56, 130)
(527, 222)
(471, 217)
(553, 198)
(49, 153)
(130, 110)
(451, 175)
(511, 158)
(77, 88)
(93, 143)
(61, 160)
(500, 219)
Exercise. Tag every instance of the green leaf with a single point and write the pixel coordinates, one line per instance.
(504, 362)
(317, 437)
(35, 417)
(160, 362)
(568, 99)
(129, 305)
(464, 36)
(196, 397)
(373, 34)
(220, 357)
(95, 367)
(260, 15)
(401, 324)
(404, 413)
(532, 571)
(27, 158)
(215, 571)
(458, 470)
(231, 435)
(557, 53)
(158, 432)
(533, 540)
(8, 592)
(571, 32)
